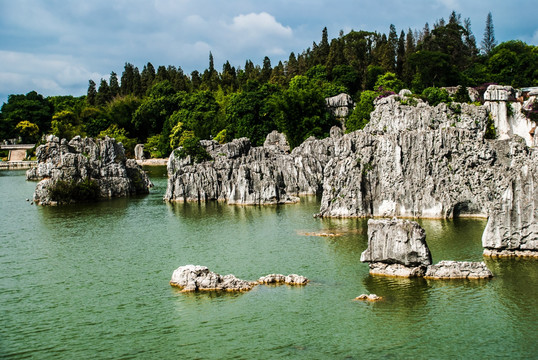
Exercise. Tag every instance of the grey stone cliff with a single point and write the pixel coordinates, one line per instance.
(102, 161)
(409, 161)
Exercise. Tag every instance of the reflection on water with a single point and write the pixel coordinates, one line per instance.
(91, 280)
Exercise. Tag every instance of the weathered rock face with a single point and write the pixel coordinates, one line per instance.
(396, 241)
(242, 174)
(409, 161)
(398, 248)
(340, 106)
(102, 161)
(507, 114)
(513, 220)
(199, 278)
(458, 270)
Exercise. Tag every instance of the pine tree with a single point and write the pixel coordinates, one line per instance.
(400, 55)
(92, 93)
(489, 36)
(114, 84)
(266, 70)
(103, 94)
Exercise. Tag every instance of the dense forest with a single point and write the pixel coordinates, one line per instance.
(164, 108)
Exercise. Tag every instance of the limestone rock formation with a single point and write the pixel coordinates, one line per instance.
(200, 278)
(458, 270)
(513, 220)
(396, 241)
(292, 279)
(396, 248)
(410, 161)
(242, 174)
(95, 165)
(139, 152)
(340, 105)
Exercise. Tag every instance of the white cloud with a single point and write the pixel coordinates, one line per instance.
(48, 74)
(259, 25)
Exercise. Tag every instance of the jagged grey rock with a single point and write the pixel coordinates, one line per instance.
(340, 105)
(458, 270)
(85, 158)
(292, 279)
(396, 241)
(409, 161)
(139, 152)
(200, 278)
(242, 174)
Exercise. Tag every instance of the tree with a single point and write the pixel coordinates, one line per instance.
(92, 93)
(66, 124)
(147, 76)
(300, 111)
(32, 107)
(361, 114)
(103, 94)
(265, 74)
(488, 43)
(29, 132)
(114, 84)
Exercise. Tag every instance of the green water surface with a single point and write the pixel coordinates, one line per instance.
(91, 281)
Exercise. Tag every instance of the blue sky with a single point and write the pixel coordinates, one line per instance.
(55, 46)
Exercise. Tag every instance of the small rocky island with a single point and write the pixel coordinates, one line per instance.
(199, 278)
(398, 247)
(412, 160)
(84, 169)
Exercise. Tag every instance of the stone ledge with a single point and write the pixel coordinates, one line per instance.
(510, 253)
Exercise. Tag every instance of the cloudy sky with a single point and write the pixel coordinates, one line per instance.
(55, 46)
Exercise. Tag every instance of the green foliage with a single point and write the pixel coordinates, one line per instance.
(66, 124)
(175, 135)
(361, 115)
(28, 131)
(222, 137)
(435, 96)
(152, 146)
(300, 111)
(190, 146)
(31, 107)
(250, 113)
(389, 82)
(74, 191)
(120, 135)
(461, 95)
(491, 131)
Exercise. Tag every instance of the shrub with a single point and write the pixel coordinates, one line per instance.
(361, 115)
(434, 96)
(491, 132)
(190, 146)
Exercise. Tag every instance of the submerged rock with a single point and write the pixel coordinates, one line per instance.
(200, 278)
(85, 169)
(369, 297)
(458, 270)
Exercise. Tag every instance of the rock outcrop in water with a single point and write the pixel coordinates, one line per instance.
(200, 278)
(398, 248)
(84, 169)
(411, 160)
(242, 174)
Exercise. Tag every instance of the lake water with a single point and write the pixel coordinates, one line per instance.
(91, 281)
